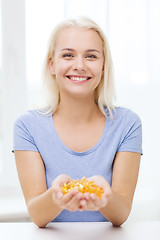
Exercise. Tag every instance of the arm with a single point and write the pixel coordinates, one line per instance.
(43, 205)
(116, 200)
(124, 180)
(32, 178)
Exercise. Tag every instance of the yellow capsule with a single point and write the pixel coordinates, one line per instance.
(83, 185)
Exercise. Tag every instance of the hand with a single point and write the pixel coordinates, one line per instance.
(69, 201)
(91, 202)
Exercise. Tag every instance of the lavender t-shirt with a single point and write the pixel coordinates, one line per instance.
(36, 132)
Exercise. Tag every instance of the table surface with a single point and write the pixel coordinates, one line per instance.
(83, 231)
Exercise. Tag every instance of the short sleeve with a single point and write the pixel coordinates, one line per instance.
(132, 134)
(23, 134)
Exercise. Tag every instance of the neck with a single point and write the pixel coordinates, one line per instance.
(77, 110)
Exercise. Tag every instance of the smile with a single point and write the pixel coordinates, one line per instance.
(78, 78)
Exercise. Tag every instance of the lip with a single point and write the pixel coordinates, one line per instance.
(86, 78)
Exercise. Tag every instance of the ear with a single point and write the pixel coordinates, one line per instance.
(103, 70)
(51, 66)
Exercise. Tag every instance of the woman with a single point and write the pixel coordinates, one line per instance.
(80, 133)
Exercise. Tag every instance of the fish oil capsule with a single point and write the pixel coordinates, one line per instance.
(83, 185)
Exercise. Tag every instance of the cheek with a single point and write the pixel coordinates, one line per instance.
(98, 71)
(61, 68)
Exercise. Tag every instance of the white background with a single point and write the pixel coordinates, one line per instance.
(132, 28)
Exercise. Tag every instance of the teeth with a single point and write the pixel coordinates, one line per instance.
(78, 78)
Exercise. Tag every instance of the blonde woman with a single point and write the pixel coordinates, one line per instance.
(80, 133)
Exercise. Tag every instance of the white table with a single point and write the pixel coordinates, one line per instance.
(80, 231)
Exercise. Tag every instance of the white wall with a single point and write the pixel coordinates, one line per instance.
(13, 81)
(132, 28)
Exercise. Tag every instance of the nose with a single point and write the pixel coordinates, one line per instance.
(79, 64)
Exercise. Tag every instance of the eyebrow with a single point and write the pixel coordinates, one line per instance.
(72, 50)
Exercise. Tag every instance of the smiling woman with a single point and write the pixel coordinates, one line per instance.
(77, 64)
(92, 48)
(80, 134)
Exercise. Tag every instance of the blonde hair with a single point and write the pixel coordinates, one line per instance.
(105, 91)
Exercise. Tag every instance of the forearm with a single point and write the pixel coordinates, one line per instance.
(117, 209)
(42, 209)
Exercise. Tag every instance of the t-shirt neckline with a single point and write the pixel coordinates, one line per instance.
(69, 150)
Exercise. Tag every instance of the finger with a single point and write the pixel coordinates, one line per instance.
(68, 196)
(100, 202)
(88, 203)
(63, 199)
(108, 193)
(97, 202)
(73, 204)
(62, 179)
(59, 182)
(106, 196)
(81, 197)
(94, 203)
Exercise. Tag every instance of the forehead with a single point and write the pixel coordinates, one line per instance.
(77, 37)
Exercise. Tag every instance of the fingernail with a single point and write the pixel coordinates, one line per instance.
(86, 196)
(83, 202)
(93, 196)
(79, 196)
(75, 191)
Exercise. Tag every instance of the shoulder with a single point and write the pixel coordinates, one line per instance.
(32, 120)
(28, 120)
(25, 128)
(123, 119)
(130, 128)
(128, 121)
(27, 117)
(126, 114)
(32, 115)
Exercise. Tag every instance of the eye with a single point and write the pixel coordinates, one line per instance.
(91, 56)
(68, 55)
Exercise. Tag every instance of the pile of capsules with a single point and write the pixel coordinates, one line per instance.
(83, 185)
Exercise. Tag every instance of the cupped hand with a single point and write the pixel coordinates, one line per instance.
(69, 201)
(75, 200)
(91, 202)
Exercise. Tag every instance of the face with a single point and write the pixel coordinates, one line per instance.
(78, 61)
